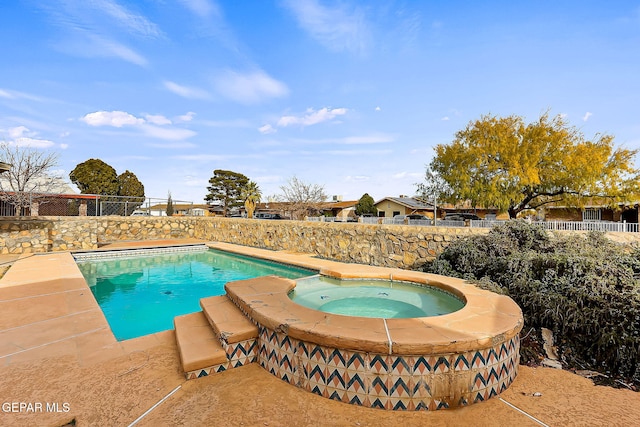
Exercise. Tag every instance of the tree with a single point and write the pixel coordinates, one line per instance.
(95, 177)
(169, 210)
(129, 186)
(251, 195)
(226, 189)
(303, 198)
(30, 172)
(365, 205)
(502, 162)
(431, 189)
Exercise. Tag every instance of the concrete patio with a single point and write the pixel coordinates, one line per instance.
(56, 347)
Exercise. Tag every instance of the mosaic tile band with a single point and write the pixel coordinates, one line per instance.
(128, 253)
(394, 382)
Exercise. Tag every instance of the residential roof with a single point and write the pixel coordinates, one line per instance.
(410, 202)
(342, 205)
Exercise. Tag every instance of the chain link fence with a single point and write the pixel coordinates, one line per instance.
(38, 204)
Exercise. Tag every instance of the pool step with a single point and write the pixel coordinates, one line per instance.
(200, 350)
(230, 325)
(215, 339)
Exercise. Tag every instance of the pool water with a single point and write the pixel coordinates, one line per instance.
(141, 295)
(373, 298)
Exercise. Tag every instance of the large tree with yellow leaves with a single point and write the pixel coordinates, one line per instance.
(504, 163)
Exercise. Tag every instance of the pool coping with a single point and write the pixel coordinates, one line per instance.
(48, 310)
(486, 319)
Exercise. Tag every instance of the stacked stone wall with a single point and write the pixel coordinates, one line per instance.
(400, 246)
(23, 235)
(383, 245)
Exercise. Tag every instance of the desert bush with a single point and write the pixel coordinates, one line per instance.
(585, 288)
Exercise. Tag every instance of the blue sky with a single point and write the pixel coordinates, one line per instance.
(351, 95)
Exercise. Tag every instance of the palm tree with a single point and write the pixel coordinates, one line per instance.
(251, 195)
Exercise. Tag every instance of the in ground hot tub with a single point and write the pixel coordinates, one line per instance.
(412, 363)
(373, 297)
(416, 363)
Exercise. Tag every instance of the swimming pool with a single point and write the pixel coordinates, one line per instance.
(373, 298)
(141, 293)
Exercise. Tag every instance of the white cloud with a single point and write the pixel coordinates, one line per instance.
(32, 142)
(267, 129)
(64, 146)
(202, 8)
(157, 119)
(12, 94)
(338, 28)
(187, 117)
(587, 115)
(186, 91)
(5, 94)
(21, 136)
(134, 23)
(378, 109)
(17, 132)
(164, 133)
(249, 88)
(445, 119)
(111, 118)
(149, 126)
(123, 52)
(312, 117)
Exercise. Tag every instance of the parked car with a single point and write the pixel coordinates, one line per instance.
(462, 216)
(410, 216)
(263, 215)
(418, 216)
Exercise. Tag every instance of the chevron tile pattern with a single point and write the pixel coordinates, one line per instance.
(199, 373)
(238, 354)
(392, 382)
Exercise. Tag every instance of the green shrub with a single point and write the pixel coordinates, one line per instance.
(585, 288)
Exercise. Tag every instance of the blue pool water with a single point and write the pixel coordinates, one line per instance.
(141, 295)
(373, 298)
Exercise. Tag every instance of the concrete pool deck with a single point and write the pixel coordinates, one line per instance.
(55, 346)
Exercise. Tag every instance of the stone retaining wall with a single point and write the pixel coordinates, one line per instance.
(46, 234)
(400, 246)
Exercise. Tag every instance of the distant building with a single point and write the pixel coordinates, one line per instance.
(389, 207)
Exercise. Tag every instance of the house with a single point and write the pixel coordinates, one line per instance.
(389, 207)
(340, 209)
(59, 199)
(594, 210)
(179, 209)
